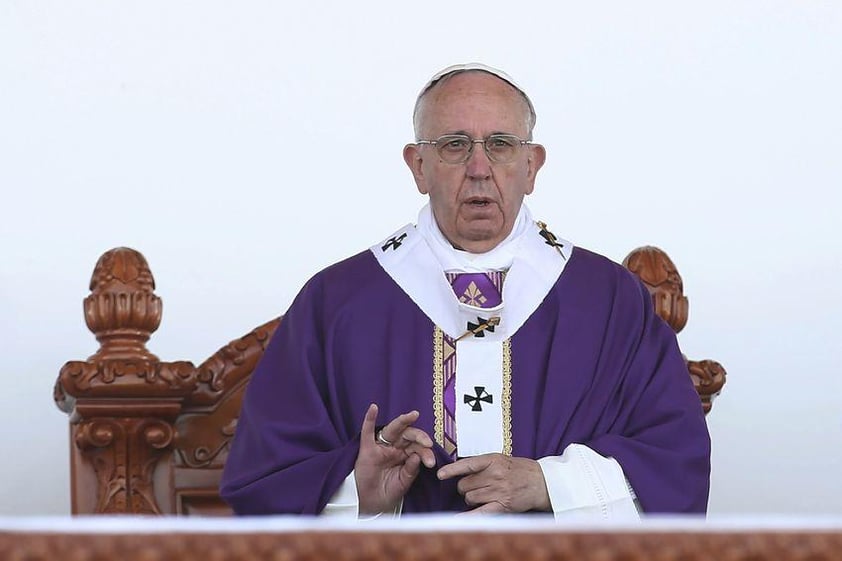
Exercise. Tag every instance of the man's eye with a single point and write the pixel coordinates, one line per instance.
(500, 142)
(457, 144)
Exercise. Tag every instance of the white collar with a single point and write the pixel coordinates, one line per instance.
(499, 258)
(416, 265)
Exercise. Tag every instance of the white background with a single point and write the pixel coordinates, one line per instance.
(242, 146)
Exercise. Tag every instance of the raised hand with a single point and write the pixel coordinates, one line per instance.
(495, 483)
(388, 462)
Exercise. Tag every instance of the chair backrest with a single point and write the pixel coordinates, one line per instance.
(152, 437)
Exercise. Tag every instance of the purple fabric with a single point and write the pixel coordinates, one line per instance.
(593, 365)
(449, 398)
(475, 289)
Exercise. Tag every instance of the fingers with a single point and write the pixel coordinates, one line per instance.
(466, 466)
(401, 434)
(411, 440)
(424, 453)
(412, 435)
(395, 428)
(410, 469)
(483, 495)
(493, 507)
(513, 484)
(384, 472)
(393, 431)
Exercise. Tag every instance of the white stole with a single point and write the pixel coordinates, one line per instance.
(416, 259)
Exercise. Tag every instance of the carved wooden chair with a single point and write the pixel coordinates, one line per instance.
(152, 437)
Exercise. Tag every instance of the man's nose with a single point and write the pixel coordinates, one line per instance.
(478, 164)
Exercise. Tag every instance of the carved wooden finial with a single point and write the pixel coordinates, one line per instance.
(708, 378)
(659, 274)
(122, 309)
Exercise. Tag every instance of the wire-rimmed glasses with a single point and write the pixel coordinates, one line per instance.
(457, 148)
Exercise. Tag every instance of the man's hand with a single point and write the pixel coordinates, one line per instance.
(386, 467)
(496, 483)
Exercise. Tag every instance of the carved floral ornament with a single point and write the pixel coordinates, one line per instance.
(660, 275)
(123, 454)
(708, 378)
(122, 309)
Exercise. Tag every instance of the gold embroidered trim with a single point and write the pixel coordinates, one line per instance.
(438, 386)
(507, 397)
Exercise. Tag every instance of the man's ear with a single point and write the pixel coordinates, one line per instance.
(537, 157)
(412, 157)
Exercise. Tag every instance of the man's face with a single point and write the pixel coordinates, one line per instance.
(475, 203)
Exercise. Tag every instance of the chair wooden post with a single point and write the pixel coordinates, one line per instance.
(660, 275)
(122, 401)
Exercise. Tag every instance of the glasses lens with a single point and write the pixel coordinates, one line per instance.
(454, 148)
(457, 148)
(502, 148)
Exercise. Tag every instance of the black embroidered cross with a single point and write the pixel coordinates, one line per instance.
(475, 400)
(478, 329)
(550, 239)
(394, 243)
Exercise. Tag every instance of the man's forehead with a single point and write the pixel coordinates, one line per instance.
(467, 67)
(457, 71)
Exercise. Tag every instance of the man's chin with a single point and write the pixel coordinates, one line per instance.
(480, 241)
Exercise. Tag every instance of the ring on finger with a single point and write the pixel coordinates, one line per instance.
(381, 440)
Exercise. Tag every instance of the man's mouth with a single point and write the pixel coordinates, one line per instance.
(478, 202)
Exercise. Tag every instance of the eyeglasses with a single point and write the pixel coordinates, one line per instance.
(457, 148)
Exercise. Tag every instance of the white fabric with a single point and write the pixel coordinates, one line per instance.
(345, 503)
(455, 260)
(583, 485)
(479, 365)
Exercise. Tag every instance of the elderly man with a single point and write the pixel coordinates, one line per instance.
(472, 361)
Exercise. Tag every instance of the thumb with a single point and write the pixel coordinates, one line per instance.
(369, 421)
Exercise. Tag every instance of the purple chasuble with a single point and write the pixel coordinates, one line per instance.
(592, 365)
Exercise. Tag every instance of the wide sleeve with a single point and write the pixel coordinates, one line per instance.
(656, 428)
(290, 452)
(584, 486)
